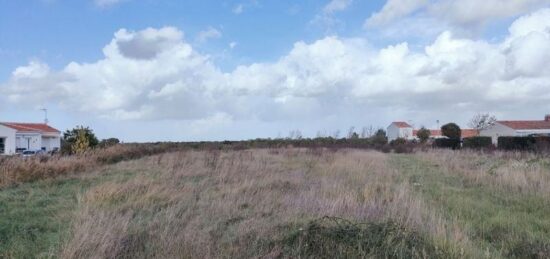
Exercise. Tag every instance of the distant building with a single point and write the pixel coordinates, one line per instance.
(400, 129)
(16, 137)
(517, 128)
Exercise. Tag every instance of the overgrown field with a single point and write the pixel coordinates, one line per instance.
(281, 203)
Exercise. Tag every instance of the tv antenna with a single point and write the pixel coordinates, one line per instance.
(45, 115)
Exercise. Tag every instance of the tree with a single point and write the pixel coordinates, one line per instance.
(482, 121)
(379, 138)
(81, 143)
(451, 130)
(423, 134)
(367, 132)
(78, 140)
(351, 131)
(109, 142)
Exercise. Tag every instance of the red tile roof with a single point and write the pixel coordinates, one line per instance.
(30, 127)
(466, 133)
(524, 125)
(401, 124)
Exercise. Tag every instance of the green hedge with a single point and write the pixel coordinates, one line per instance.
(477, 142)
(524, 143)
(447, 143)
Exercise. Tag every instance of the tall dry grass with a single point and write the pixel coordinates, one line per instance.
(15, 169)
(252, 203)
(515, 172)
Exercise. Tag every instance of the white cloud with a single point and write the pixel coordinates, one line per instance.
(210, 33)
(107, 3)
(337, 5)
(394, 9)
(462, 13)
(326, 19)
(238, 9)
(155, 74)
(233, 44)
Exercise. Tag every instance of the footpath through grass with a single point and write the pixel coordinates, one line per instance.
(504, 224)
(35, 217)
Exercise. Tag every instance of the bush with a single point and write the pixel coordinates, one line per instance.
(478, 142)
(401, 145)
(398, 141)
(447, 143)
(524, 143)
(423, 134)
(451, 130)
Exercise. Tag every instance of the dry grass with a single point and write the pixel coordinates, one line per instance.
(15, 170)
(246, 204)
(517, 172)
(308, 203)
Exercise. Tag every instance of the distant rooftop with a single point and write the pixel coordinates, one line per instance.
(30, 127)
(401, 124)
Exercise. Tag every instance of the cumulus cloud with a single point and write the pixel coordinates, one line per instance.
(210, 33)
(462, 13)
(155, 74)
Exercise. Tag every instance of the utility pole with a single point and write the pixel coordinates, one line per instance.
(45, 115)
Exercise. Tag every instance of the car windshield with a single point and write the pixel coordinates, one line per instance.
(28, 152)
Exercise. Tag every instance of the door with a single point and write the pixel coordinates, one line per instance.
(2, 145)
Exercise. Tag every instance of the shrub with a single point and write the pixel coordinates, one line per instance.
(423, 134)
(379, 138)
(524, 143)
(451, 130)
(398, 141)
(478, 142)
(447, 143)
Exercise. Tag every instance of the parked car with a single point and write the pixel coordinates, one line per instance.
(29, 153)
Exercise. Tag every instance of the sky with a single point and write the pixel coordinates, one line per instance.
(175, 70)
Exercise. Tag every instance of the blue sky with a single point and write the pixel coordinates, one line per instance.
(145, 70)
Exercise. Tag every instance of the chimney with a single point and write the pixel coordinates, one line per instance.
(547, 117)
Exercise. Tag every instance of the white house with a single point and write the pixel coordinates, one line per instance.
(15, 137)
(517, 128)
(399, 129)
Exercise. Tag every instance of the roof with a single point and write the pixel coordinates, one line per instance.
(30, 127)
(467, 133)
(526, 125)
(401, 124)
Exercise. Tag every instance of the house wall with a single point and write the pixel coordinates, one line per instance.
(393, 132)
(406, 133)
(8, 134)
(498, 130)
(51, 142)
(29, 141)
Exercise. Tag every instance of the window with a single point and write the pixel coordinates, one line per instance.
(2, 146)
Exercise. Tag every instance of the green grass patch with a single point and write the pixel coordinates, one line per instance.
(35, 217)
(504, 223)
(331, 237)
